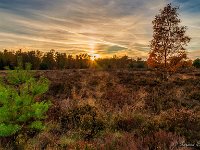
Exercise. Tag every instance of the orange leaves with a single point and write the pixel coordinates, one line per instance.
(151, 62)
(154, 61)
(167, 46)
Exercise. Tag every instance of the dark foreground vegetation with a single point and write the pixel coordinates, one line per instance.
(125, 109)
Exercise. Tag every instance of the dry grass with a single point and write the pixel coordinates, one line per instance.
(135, 107)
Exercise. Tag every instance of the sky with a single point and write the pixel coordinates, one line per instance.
(98, 27)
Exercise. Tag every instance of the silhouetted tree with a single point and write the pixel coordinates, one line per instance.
(61, 59)
(70, 62)
(48, 61)
(34, 57)
(196, 63)
(169, 39)
(10, 59)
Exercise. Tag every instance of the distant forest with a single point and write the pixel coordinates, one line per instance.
(53, 60)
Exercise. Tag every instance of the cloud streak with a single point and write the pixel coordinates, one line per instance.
(112, 27)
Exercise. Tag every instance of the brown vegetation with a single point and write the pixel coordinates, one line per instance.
(94, 109)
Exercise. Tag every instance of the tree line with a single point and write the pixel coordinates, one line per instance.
(53, 60)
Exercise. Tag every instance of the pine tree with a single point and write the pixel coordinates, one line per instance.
(169, 41)
(19, 110)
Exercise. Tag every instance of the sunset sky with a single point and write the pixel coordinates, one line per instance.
(103, 27)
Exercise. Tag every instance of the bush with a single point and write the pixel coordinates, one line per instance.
(195, 96)
(196, 63)
(160, 140)
(161, 98)
(129, 124)
(84, 119)
(115, 97)
(20, 109)
(182, 122)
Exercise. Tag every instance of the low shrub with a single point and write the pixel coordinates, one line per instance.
(159, 140)
(159, 99)
(129, 124)
(195, 96)
(83, 118)
(116, 97)
(182, 122)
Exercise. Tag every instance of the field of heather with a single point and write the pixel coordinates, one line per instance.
(119, 109)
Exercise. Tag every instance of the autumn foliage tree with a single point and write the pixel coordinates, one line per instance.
(167, 48)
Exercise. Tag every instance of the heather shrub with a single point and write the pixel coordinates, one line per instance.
(159, 140)
(115, 141)
(129, 124)
(149, 126)
(163, 98)
(116, 97)
(179, 82)
(84, 119)
(182, 122)
(195, 96)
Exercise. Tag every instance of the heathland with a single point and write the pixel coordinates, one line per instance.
(116, 109)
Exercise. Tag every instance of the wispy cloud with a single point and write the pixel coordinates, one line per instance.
(114, 26)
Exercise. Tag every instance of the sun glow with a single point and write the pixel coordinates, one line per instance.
(92, 53)
(94, 56)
